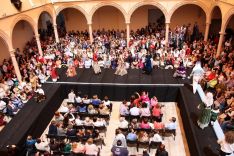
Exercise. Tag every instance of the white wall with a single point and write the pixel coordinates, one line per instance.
(189, 14)
(22, 33)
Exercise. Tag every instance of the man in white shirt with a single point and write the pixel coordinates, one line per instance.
(135, 111)
(40, 94)
(42, 145)
(40, 91)
(3, 106)
(78, 99)
(71, 97)
(63, 108)
(2, 92)
(78, 121)
(98, 122)
(156, 138)
(123, 123)
(176, 53)
(88, 63)
(172, 124)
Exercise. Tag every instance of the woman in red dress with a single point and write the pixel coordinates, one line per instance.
(96, 67)
(54, 74)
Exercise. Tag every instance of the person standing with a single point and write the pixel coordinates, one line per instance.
(96, 67)
(121, 67)
(148, 65)
(54, 74)
(197, 74)
(205, 107)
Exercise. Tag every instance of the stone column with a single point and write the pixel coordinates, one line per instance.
(15, 64)
(167, 33)
(39, 44)
(90, 32)
(207, 31)
(56, 33)
(221, 38)
(128, 33)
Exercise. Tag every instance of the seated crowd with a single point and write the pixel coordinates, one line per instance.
(141, 123)
(77, 128)
(219, 79)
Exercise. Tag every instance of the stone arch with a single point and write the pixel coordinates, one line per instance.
(49, 11)
(102, 4)
(209, 16)
(22, 17)
(138, 5)
(58, 10)
(5, 39)
(226, 19)
(183, 3)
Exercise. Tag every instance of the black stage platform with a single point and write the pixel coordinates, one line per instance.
(134, 76)
(34, 117)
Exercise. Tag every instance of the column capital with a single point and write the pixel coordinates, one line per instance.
(128, 23)
(167, 22)
(222, 33)
(12, 52)
(55, 25)
(37, 35)
(89, 23)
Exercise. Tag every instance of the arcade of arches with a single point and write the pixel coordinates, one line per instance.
(213, 17)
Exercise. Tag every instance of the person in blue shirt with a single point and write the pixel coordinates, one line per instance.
(96, 101)
(30, 141)
(148, 65)
(30, 145)
(82, 108)
(17, 102)
(132, 135)
(53, 128)
(172, 124)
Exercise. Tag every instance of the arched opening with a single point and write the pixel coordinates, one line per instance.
(71, 19)
(108, 18)
(230, 30)
(4, 52)
(216, 21)
(147, 15)
(45, 25)
(192, 17)
(22, 34)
